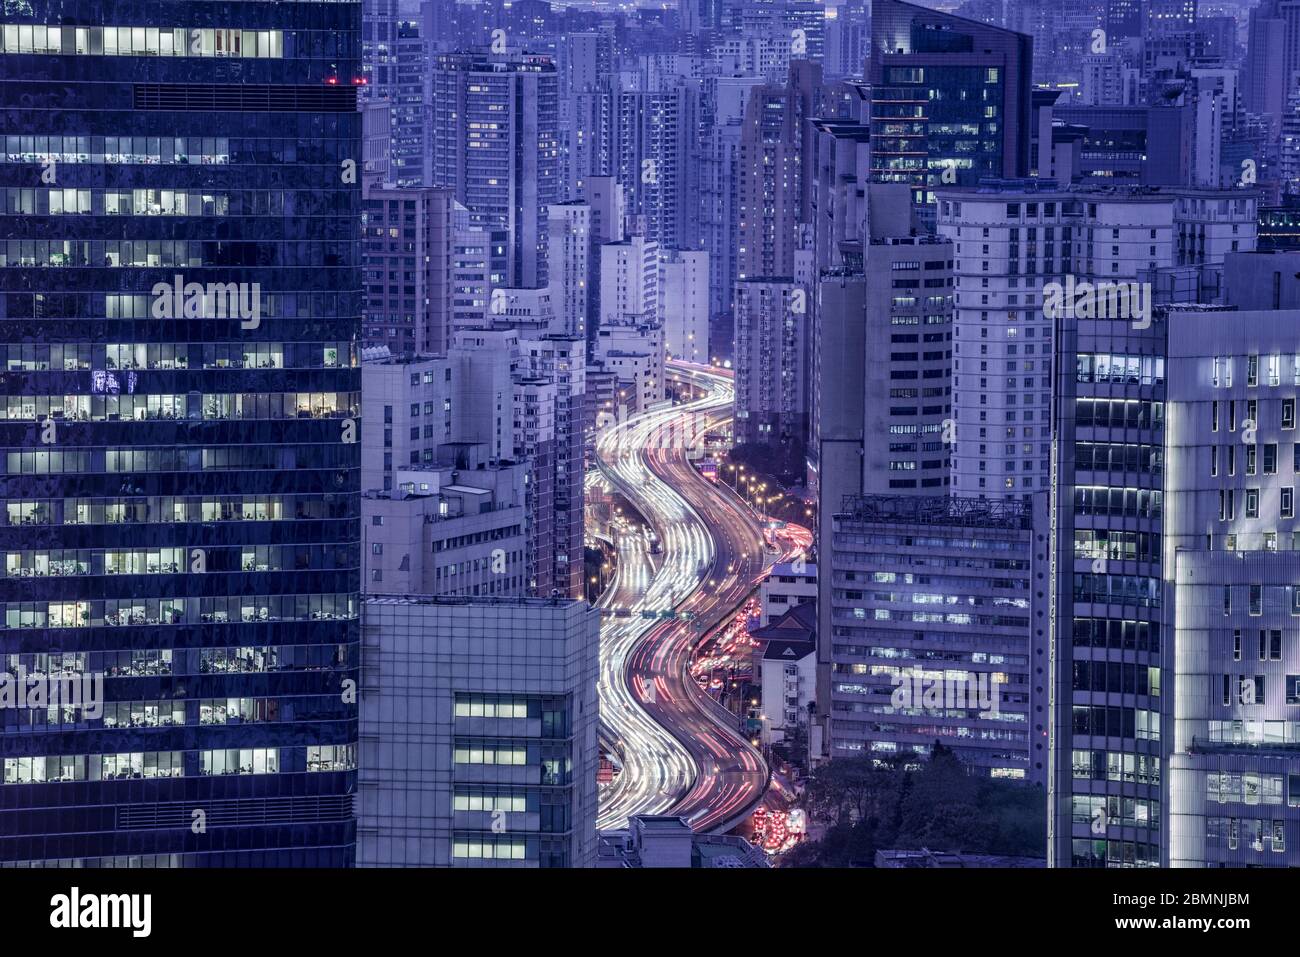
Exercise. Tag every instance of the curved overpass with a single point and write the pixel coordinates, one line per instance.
(681, 751)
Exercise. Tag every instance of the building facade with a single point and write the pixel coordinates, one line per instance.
(409, 238)
(479, 721)
(494, 140)
(950, 100)
(182, 432)
(937, 633)
(1231, 560)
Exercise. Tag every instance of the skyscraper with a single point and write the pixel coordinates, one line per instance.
(1272, 57)
(950, 100)
(409, 242)
(655, 131)
(1013, 241)
(774, 265)
(1115, 676)
(493, 125)
(1231, 561)
(182, 304)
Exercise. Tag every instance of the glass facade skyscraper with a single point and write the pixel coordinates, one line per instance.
(950, 100)
(179, 310)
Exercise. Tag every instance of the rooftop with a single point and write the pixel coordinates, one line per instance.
(992, 186)
(449, 600)
(937, 510)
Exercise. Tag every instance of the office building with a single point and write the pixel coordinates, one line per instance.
(479, 722)
(1272, 57)
(1231, 563)
(937, 632)
(950, 100)
(1133, 145)
(895, 322)
(1017, 241)
(1113, 612)
(1265, 279)
(182, 470)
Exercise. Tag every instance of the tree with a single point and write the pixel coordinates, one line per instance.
(869, 803)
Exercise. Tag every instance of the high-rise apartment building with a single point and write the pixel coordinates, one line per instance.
(569, 269)
(771, 361)
(378, 49)
(892, 323)
(848, 36)
(629, 283)
(471, 271)
(182, 294)
(494, 141)
(773, 304)
(770, 182)
(604, 198)
(655, 133)
(1014, 241)
(722, 113)
(556, 365)
(585, 61)
(408, 245)
(684, 304)
(409, 107)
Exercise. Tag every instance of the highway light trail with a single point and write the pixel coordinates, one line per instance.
(679, 750)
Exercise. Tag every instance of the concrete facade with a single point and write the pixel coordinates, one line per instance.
(479, 733)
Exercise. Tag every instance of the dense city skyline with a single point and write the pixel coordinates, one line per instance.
(717, 433)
